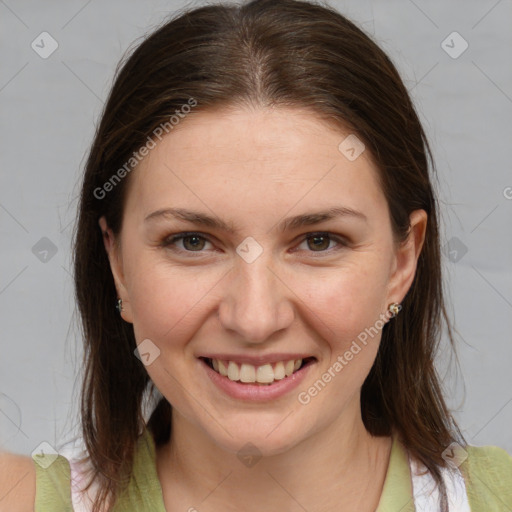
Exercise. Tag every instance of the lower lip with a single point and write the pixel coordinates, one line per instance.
(255, 392)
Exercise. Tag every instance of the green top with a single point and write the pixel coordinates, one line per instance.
(487, 474)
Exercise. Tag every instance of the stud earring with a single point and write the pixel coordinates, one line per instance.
(119, 305)
(394, 309)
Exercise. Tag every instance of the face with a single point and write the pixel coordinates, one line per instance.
(257, 286)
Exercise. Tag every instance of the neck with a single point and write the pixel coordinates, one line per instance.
(340, 468)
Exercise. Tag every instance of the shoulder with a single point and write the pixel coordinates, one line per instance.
(491, 458)
(17, 483)
(34, 484)
(487, 472)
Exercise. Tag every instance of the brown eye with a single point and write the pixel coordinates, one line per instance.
(320, 242)
(191, 242)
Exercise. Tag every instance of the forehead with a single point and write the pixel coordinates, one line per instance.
(256, 159)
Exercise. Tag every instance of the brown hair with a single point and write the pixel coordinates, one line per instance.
(268, 53)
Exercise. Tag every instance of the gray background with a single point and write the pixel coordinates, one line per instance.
(49, 110)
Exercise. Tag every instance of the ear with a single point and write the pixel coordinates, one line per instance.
(116, 267)
(406, 257)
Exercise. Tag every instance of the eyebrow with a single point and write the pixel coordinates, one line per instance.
(290, 223)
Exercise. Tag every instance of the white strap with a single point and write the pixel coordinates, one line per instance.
(73, 451)
(82, 501)
(426, 493)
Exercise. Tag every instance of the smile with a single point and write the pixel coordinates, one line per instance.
(265, 374)
(241, 381)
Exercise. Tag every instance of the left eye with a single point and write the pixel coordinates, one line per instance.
(194, 242)
(321, 241)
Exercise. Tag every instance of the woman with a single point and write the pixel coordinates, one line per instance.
(257, 264)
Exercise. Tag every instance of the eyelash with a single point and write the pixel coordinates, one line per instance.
(169, 241)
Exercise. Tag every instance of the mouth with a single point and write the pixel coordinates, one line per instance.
(263, 375)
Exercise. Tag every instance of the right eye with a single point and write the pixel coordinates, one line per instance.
(191, 242)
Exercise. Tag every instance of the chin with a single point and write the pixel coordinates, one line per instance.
(263, 439)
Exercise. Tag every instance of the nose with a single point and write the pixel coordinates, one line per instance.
(255, 302)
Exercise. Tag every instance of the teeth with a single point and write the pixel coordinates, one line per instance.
(233, 371)
(223, 369)
(247, 373)
(288, 367)
(279, 372)
(265, 374)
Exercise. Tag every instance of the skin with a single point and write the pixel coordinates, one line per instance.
(254, 167)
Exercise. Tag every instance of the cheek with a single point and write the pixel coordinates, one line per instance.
(349, 298)
(165, 300)
(346, 308)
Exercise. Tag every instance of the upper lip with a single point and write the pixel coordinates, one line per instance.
(256, 360)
